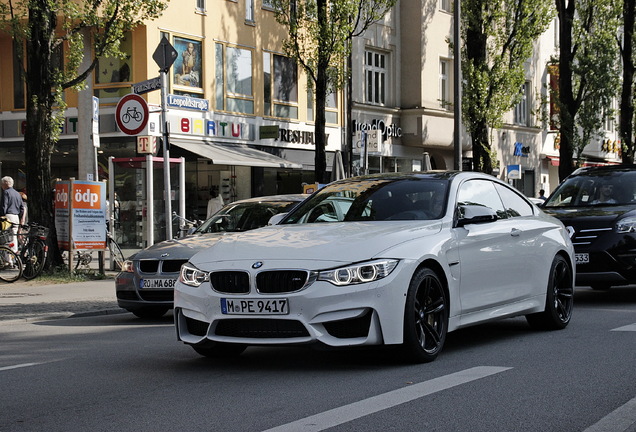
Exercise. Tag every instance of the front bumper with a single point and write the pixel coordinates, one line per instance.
(356, 315)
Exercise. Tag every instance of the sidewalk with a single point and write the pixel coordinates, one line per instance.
(33, 301)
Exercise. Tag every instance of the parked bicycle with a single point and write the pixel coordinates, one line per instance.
(33, 249)
(10, 263)
(83, 258)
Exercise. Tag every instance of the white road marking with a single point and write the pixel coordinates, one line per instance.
(18, 366)
(631, 327)
(621, 419)
(344, 414)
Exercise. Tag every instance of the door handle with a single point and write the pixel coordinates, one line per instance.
(515, 232)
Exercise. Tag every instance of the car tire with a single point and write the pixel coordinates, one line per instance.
(425, 317)
(218, 349)
(150, 312)
(559, 298)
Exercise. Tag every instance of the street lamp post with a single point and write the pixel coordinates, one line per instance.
(457, 82)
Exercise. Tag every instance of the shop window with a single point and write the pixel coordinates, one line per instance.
(521, 109)
(280, 86)
(113, 75)
(187, 70)
(375, 77)
(234, 79)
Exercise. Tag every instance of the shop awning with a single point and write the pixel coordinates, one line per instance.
(240, 155)
(554, 161)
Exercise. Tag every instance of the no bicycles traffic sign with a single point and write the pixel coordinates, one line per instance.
(132, 114)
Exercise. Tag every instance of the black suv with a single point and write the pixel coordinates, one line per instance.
(598, 207)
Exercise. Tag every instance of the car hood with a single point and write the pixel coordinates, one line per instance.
(339, 242)
(598, 214)
(182, 248)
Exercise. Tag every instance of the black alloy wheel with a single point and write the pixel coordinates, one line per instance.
(426, 317)
(559, 300)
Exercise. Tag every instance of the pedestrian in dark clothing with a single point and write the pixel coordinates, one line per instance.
(11, 207)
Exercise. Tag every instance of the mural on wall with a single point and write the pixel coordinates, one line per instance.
(187, 67)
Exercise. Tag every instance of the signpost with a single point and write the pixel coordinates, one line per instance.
(164, 56)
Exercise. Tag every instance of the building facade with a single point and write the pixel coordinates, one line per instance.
(240, 113)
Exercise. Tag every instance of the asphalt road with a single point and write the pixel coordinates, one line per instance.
(116, 372)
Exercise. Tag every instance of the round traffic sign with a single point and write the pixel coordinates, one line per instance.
(131, 114)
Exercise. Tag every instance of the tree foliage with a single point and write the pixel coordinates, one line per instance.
(49, 38)
(498, 39)
(319, 36)
(589, 73)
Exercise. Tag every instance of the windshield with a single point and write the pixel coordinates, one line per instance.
(244, 216)
(594, 189)
(374, 200)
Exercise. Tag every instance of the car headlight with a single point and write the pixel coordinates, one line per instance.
(626, 225)
(127, 266)
(358, 273)
(192, 276)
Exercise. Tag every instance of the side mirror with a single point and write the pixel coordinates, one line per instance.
(275, 220)
(472, 214)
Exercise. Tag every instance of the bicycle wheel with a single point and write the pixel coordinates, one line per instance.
(116, 253)
(83, 259)
(10, 265)
(33, 258)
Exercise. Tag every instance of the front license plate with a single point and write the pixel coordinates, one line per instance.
(167, 283)
(582, 258)
(254, 306)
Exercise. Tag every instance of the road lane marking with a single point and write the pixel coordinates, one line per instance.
(347, 413)
(23, 365)
(622, 419)
(631, 327)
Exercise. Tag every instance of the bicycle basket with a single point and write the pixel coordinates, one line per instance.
(39, 231)
(5, 237)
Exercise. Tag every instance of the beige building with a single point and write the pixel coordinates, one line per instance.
(241, 117)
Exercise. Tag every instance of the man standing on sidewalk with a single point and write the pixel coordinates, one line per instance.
(12, 207)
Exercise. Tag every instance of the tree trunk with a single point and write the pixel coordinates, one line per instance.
(322, 68)
(38, 139)
(567, 107)
(626, 117)
(476, 53)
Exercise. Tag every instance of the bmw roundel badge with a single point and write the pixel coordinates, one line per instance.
(257, 264)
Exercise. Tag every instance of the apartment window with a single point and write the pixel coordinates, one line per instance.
(249, 10)
(200, 5)
(19, 89)
(444, 83)
(233, 70)
(521, 109)
(113, 75)
(446, 5)
(281, 86)
(267, 4)
(331, 106)
(375, 81)
(609, 117)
